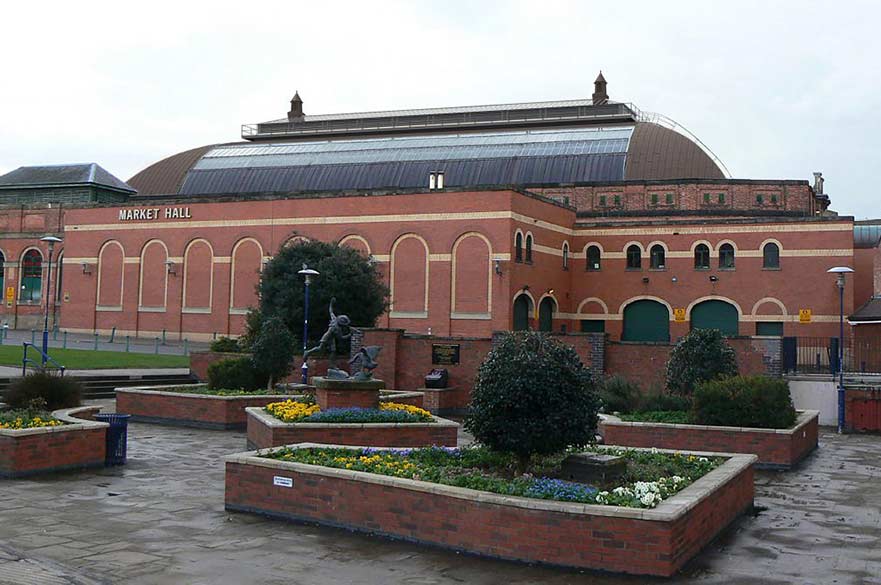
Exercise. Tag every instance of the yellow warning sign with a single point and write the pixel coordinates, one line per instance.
(679, 314)
(10, 294)
(804, 315)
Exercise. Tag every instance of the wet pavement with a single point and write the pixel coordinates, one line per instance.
(160, 519)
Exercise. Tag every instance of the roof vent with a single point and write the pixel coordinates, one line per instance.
(296, 113)
(818, 183)
(599, 90)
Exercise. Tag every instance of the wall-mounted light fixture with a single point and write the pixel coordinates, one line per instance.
(87, 269)
(498, 265)
(170, 267)
(714, 279)
(645, 279)
(674, 279)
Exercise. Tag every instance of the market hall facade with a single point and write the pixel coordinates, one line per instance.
(584, 215)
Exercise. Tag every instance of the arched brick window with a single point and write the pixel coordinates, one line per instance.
(593, 258)
(771, 255)
(702, 257)
(31, 277)
(634, 257)
(529, 248)
(726, 256)
(658, 257)
(518, 247)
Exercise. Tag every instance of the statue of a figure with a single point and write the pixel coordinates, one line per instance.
(339, 329)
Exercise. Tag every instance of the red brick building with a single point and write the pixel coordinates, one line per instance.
(583, 215)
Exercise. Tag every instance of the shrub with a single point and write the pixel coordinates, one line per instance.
(44, 391)
(619, 395)
(661, 401)
(533, 395)
(235, 374)
(700, 356)
(744, 401)
(225, 344)
(273, 350)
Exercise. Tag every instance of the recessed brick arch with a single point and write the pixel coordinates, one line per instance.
(471, 286)
(198, 275)
(245, 266)
(111, 275)
(153, 271)
(356, 242)
(409, 277)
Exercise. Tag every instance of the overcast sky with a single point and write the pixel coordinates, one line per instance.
(775, 89)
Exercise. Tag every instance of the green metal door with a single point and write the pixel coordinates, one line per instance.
(521, 313)
(646, 321)
(715, 315)
(546, 315)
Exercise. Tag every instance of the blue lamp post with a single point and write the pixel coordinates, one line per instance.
(841, 271)
(307, 273)
(50, 242)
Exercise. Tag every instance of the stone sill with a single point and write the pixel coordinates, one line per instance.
(804, 417)
(669, 510)
(274, 423)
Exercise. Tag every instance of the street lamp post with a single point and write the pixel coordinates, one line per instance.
(50, 242)
(841, 271)
(307, 273)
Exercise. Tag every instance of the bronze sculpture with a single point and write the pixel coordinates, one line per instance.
(340, 329)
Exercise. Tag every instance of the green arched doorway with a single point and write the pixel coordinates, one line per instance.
(546, 310)
(522, 309)
(646, 320)
(715, 315)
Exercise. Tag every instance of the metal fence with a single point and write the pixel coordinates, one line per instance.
(819, 355)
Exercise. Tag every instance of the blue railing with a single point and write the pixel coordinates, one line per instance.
(25, 360)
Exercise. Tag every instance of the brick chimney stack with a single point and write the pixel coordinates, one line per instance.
(296, 113)
(599, 90)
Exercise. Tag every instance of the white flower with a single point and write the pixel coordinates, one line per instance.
(654, 450)
(648, 500)
(702, 459)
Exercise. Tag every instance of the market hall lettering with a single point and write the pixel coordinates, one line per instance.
(153, 213)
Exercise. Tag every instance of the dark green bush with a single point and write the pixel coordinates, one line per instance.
(44, 391)
(225, 344)
(273, 350)
(700, 356)
(619, 395)
(235, 374)
(744, 401)
(662, 401)
(533, 395)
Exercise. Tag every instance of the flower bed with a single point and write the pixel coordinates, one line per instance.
(775, 448)
(420, 498)
(391, 425)
(190, 406)
(64, 440)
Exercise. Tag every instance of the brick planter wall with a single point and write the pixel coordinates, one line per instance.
(77, 445)
(150, 404)
(264, 430)
(646, 542)
(775, 448)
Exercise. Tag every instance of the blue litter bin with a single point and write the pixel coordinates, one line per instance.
(117, 437)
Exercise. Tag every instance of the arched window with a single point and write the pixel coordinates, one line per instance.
(565, 256)
(726, 256)
(701, 257)
(634, 257)
(31, 277)
(593, 258)
(771, 255)
(657, 257)
(529, 248)
(518, 247)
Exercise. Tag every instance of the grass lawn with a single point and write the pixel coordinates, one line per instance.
(84, 359)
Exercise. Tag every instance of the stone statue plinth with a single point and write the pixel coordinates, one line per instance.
(348, 393)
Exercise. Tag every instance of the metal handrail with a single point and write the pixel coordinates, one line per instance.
(42, 365)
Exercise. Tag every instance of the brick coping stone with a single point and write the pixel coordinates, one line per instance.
(220, 420)
(805, 419)
(671, 512)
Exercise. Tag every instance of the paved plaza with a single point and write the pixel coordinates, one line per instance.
(160, 520)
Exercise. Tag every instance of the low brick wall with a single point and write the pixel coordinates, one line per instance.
(151, 405)
(77, 445)
(775, 448)
(862, 409)
(645, 542)
(264, 430)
